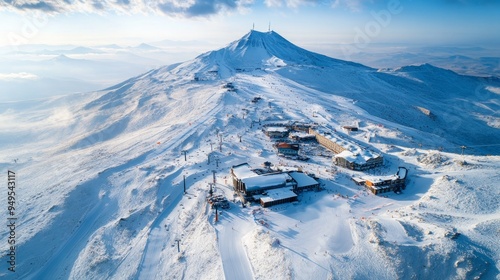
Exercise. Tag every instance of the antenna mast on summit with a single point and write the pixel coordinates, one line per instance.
(269, 27)
(253, 26)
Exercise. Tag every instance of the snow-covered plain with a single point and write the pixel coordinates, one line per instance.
(100, 175)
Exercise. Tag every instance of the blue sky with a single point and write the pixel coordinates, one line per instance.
(130, 22)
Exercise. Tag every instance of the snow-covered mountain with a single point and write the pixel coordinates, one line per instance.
(462, 109)
(100, 174)
(257, 49)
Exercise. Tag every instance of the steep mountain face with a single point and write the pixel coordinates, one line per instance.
(258, 49)
(104, 171)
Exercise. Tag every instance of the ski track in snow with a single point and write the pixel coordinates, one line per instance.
(234, 226)
(156, 236)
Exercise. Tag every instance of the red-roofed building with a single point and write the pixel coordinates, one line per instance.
(287, 149)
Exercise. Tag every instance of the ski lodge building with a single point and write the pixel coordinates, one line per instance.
(383, 184)
(301, 136)
(277, 196)
(250, 181)
(303, 181)
(287, 149)
(268, 186)
(276, 131)
(348, 153)
(281, 129)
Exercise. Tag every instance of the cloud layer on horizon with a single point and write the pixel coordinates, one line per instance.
(195, 8)
(17, 76)
(173, 8)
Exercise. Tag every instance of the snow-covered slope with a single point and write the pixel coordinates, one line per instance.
(100, 175)
(257, 49)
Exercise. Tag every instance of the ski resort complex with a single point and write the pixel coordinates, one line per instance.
(256, 184)
(258, 160)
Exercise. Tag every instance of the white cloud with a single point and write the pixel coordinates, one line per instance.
(273, 3)
(191, 8)
(494, 89)
(18, 76)
(290, 3)
(354, 5)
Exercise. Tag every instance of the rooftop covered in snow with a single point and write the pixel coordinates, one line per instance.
(276, 129)
(353, 151)
(278, 194)
(265, 182)
(380, 179)
(358, 156)
(303, 180)
(243, 171)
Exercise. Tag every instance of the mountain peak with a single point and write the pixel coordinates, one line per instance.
(259, 39)
(145, 46)
(425, 68)
(258, 49)
(61, 57)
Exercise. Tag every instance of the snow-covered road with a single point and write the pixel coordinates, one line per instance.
(232, 226)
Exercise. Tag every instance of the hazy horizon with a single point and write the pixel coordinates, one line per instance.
(456, 35)
(304, 22)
